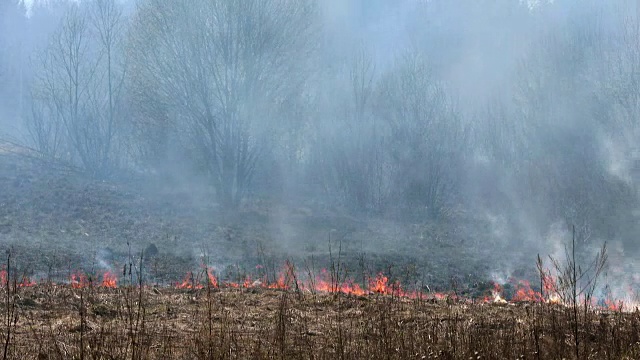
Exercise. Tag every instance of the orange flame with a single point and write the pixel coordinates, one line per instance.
(524, 293)
(614, 305)
(497, 295)
(281, 283)
(189, 282)
(24, 282)
(379, 284)
(109, 280)
(212, 278)
(79, 281)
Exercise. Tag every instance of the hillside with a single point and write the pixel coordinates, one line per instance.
(57, 221)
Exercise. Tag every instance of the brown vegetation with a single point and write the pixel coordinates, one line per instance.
(58, 322)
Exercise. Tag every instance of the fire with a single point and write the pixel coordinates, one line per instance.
(213, 281)
(79, 281)
(498, 299)
(109, 280)
(280, 283)
(189, 282)
(327, 282)
(554, 298)
(287, 278)
(27, 282)
(24, 282)
(379, 285)
(352, 289)
(348, 287)
(524, 293)
(614, 305)
(497, 295)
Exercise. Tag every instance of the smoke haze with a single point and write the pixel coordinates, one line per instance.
(472, 133)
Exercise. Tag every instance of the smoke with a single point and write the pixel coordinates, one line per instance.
(425, 128)
(621, 159)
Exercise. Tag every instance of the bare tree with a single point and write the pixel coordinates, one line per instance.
(617, 84)
(13, 26)
(221, 69)
(355, 158)
(4, 48)
(108, 24)
(62, 88)
(427, 140)
(79, 88)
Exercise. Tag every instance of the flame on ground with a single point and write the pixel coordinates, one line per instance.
(24, 281)
(109, 280)
(189, 282)
(287, 279)
(524, 293)
(328, 282)
(80, 280)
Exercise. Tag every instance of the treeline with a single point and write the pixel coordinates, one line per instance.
(426, 109)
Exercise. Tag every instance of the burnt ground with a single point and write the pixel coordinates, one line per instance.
(57, 221)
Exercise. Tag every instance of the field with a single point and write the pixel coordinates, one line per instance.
(50, 321)
(65, 292)
(55, 222)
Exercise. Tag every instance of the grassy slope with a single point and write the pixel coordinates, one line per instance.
(58, 221)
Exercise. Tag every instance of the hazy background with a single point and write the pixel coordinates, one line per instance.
(503, 121)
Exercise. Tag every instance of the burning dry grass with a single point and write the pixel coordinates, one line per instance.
(62, 322)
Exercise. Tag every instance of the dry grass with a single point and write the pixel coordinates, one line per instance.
(58, 322)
